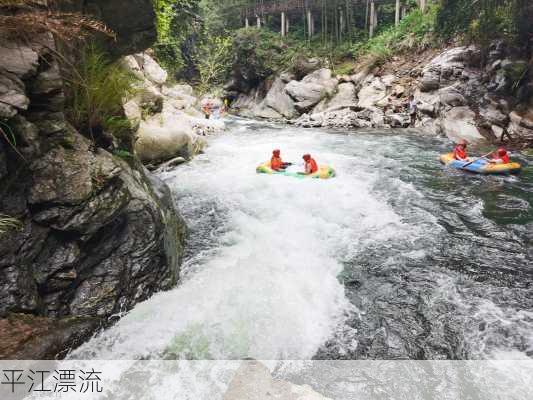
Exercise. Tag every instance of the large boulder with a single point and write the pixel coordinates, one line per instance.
(459, 123)
(278, 100)
(345, 97)
(312, 89)
(373, 91)
(167, 136)
(151, 69)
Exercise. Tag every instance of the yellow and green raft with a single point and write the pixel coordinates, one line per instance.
(480, 166)
(324, 172)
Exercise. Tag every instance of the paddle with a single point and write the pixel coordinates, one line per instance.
(479, 158)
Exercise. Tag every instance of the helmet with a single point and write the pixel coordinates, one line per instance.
(502, 152)
(307, 157)
(462, 142)
(276, 152)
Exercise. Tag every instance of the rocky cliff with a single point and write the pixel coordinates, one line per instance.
(97, 233)
(457, 95)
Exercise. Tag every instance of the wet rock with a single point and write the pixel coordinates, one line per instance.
(26, 337)
(171, 164)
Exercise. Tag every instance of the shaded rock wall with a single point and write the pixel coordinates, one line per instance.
(133, 21)
(98, 233)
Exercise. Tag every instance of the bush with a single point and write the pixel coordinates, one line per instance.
(413, 32)
(176, 22)
(97, 89)
(213, 62)
(260, 53)
(485, 20)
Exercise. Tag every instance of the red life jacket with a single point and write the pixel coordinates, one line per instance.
(459, 153)
(276, 163)
(505, 158)
(310, 166)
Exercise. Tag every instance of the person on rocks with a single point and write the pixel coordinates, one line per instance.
(500, 157)
(413, 108)
(459, 152)
(310, 164)
(276, 163)
(206, 109)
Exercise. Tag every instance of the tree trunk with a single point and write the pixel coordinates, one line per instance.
(397, 16)
(372, 18)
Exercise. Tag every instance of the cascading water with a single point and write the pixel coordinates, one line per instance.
(397, 257)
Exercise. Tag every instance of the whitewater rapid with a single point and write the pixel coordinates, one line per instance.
(283, 268)
(265, 283)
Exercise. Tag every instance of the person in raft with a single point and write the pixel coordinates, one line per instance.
(310, 165)
(459, 152)
(500, 157)
(276, 163)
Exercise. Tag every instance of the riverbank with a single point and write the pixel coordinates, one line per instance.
(454, 96)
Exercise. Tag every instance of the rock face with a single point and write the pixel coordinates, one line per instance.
(168, 118)
(133, 21)
(312, 89)
(455, 97)
(98, 233)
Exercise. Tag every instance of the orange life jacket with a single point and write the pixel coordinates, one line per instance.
(310, 166)
(459, 153)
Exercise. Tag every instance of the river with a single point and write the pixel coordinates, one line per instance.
(395, 258)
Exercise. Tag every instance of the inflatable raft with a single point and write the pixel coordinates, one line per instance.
(480, 166)
(324, 172)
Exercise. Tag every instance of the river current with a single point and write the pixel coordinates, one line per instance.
(397, 257)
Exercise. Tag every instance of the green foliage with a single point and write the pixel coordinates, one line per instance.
(97, 89)
(259, 53)
(213, 62)
(124, 154)
(482, 21)
(414, 32)
(175, 20)
(8, 223)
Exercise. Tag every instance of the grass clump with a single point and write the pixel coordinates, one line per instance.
(97, 89)
(8, 223)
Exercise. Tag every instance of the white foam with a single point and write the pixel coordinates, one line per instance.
(271, 290)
